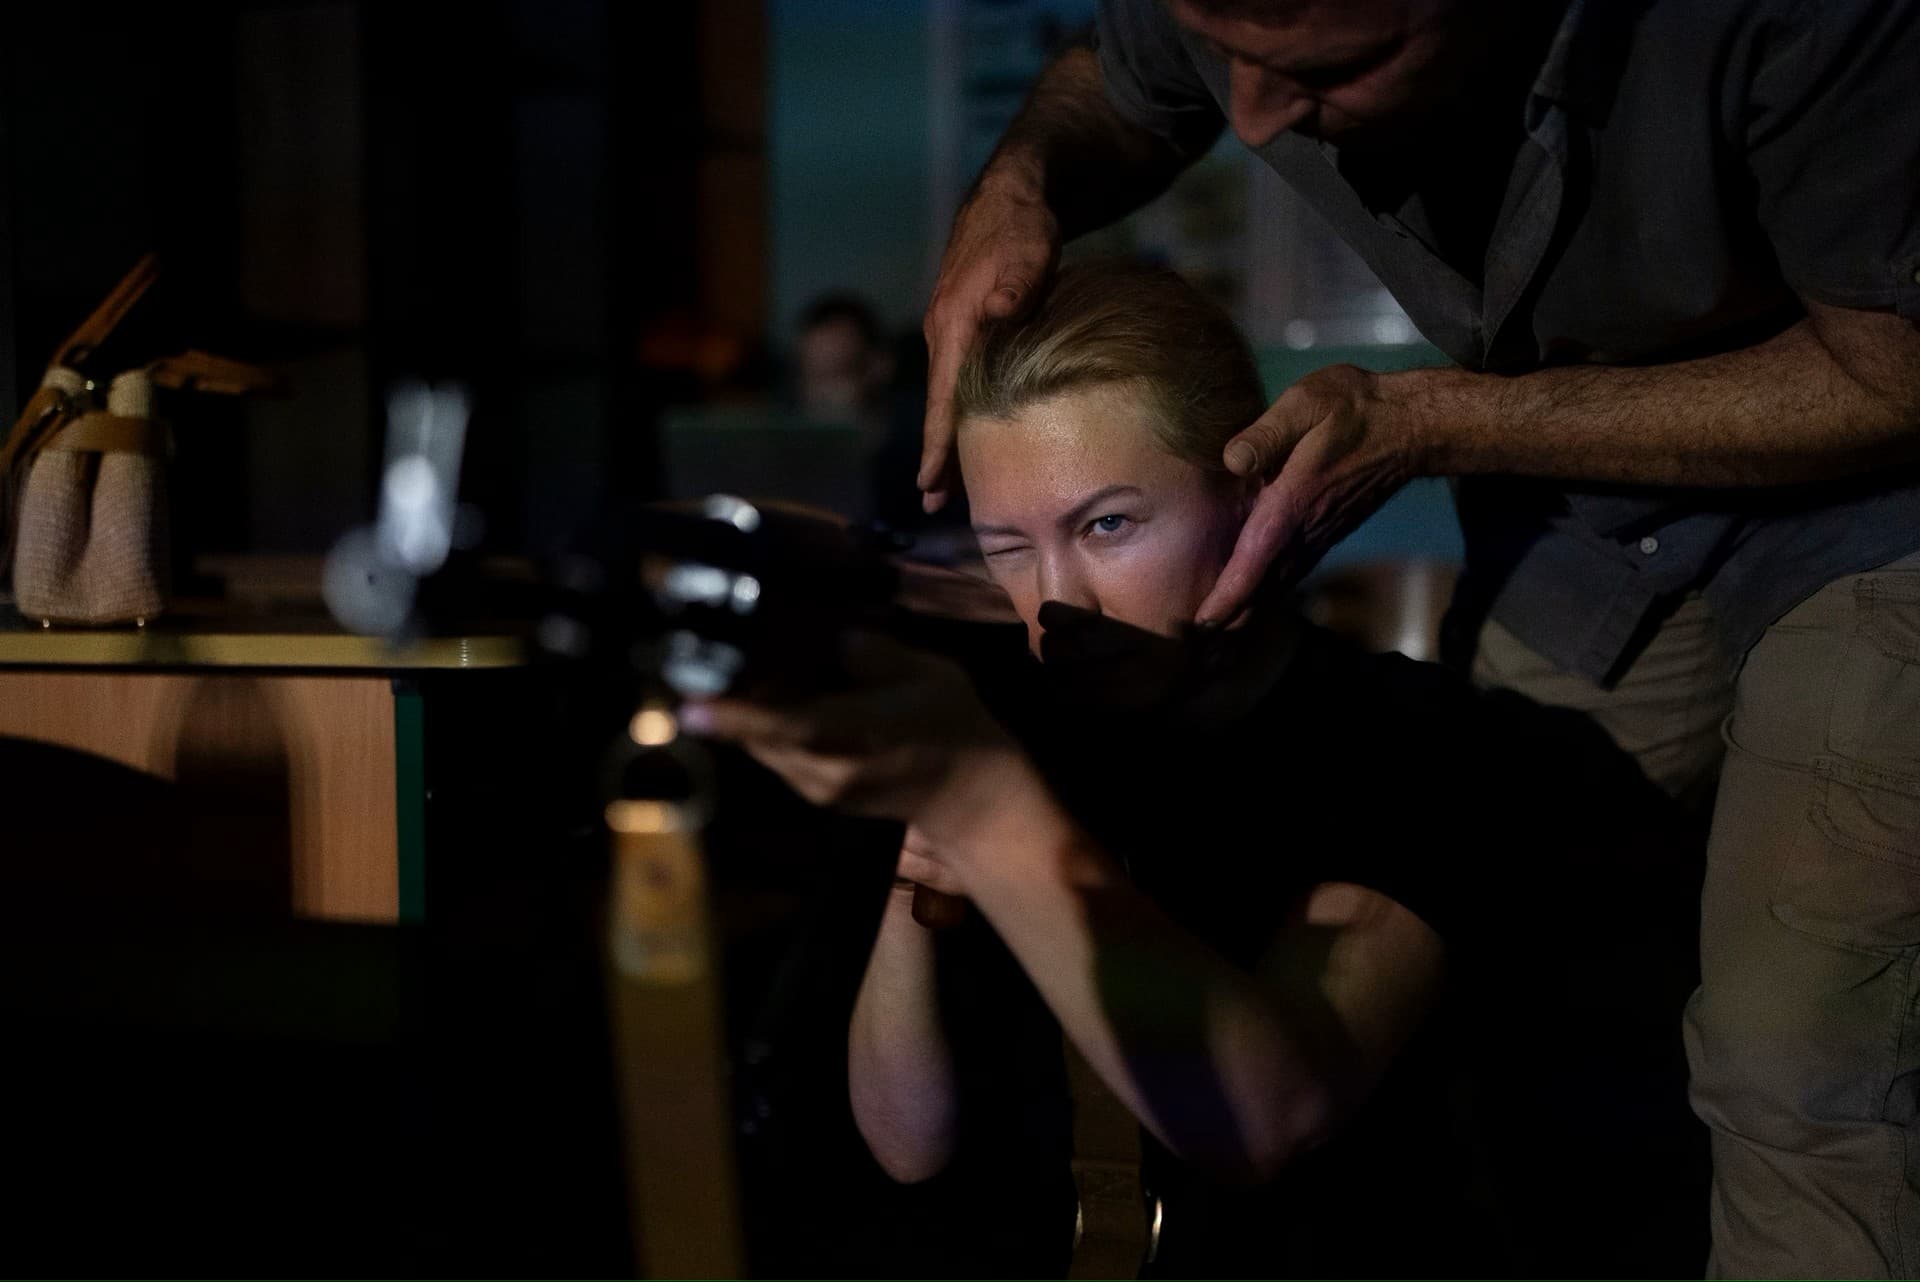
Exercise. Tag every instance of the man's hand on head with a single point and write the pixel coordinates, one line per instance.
(1068, 163)
(1832, 396)
(1333, 448)
(1004, 246)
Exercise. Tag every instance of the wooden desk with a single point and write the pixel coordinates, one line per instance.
(338, 718)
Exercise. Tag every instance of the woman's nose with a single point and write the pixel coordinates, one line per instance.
(1262, 105)
(1062, 581)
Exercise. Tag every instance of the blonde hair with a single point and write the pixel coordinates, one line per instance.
(1112, 322)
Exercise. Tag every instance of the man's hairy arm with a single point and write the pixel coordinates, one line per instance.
(1071, 148)
(1834, 396)
(1070, 162)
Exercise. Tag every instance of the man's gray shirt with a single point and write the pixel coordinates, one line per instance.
(1685, 173)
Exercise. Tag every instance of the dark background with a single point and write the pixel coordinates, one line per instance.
(563, 204)
(355, 192)
(351, 193)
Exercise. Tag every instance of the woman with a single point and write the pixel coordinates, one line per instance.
(1234, 867)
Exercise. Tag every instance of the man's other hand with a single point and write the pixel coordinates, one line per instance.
(1004, 246)
(1331, 450)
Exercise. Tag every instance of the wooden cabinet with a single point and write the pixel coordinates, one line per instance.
(317, 738)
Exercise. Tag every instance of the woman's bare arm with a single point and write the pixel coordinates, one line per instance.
(1237, 1073)
(899, 1065)
(1375, 965)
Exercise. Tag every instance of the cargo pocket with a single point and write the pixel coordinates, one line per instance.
(1853, 874)
(1873, 726)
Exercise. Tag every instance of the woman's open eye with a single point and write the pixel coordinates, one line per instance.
(1112, 523)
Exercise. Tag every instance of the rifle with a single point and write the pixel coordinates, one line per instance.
(664, 602)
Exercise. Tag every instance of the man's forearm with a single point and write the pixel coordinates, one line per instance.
(1836, 395)
(1069, 148)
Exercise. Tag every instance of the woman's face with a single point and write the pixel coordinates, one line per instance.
(1074, 500)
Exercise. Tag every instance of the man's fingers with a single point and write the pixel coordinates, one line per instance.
(1018, 282)
(1010, 297)
(1264, 450)
(1270, 527)
(992, 274)
(947, 348)
(1329, 498)
(1263, 447)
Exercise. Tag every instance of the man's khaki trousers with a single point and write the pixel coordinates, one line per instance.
(1804, 1036)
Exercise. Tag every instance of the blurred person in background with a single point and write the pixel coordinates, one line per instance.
(848, 368)
(843, 364)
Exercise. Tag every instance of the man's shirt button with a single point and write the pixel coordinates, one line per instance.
(1649, 545)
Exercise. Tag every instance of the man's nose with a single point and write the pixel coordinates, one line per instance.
(1262, 105)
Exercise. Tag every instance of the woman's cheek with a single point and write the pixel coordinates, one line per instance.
(1192, 556)
(1150, 583)
(1195, 546)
